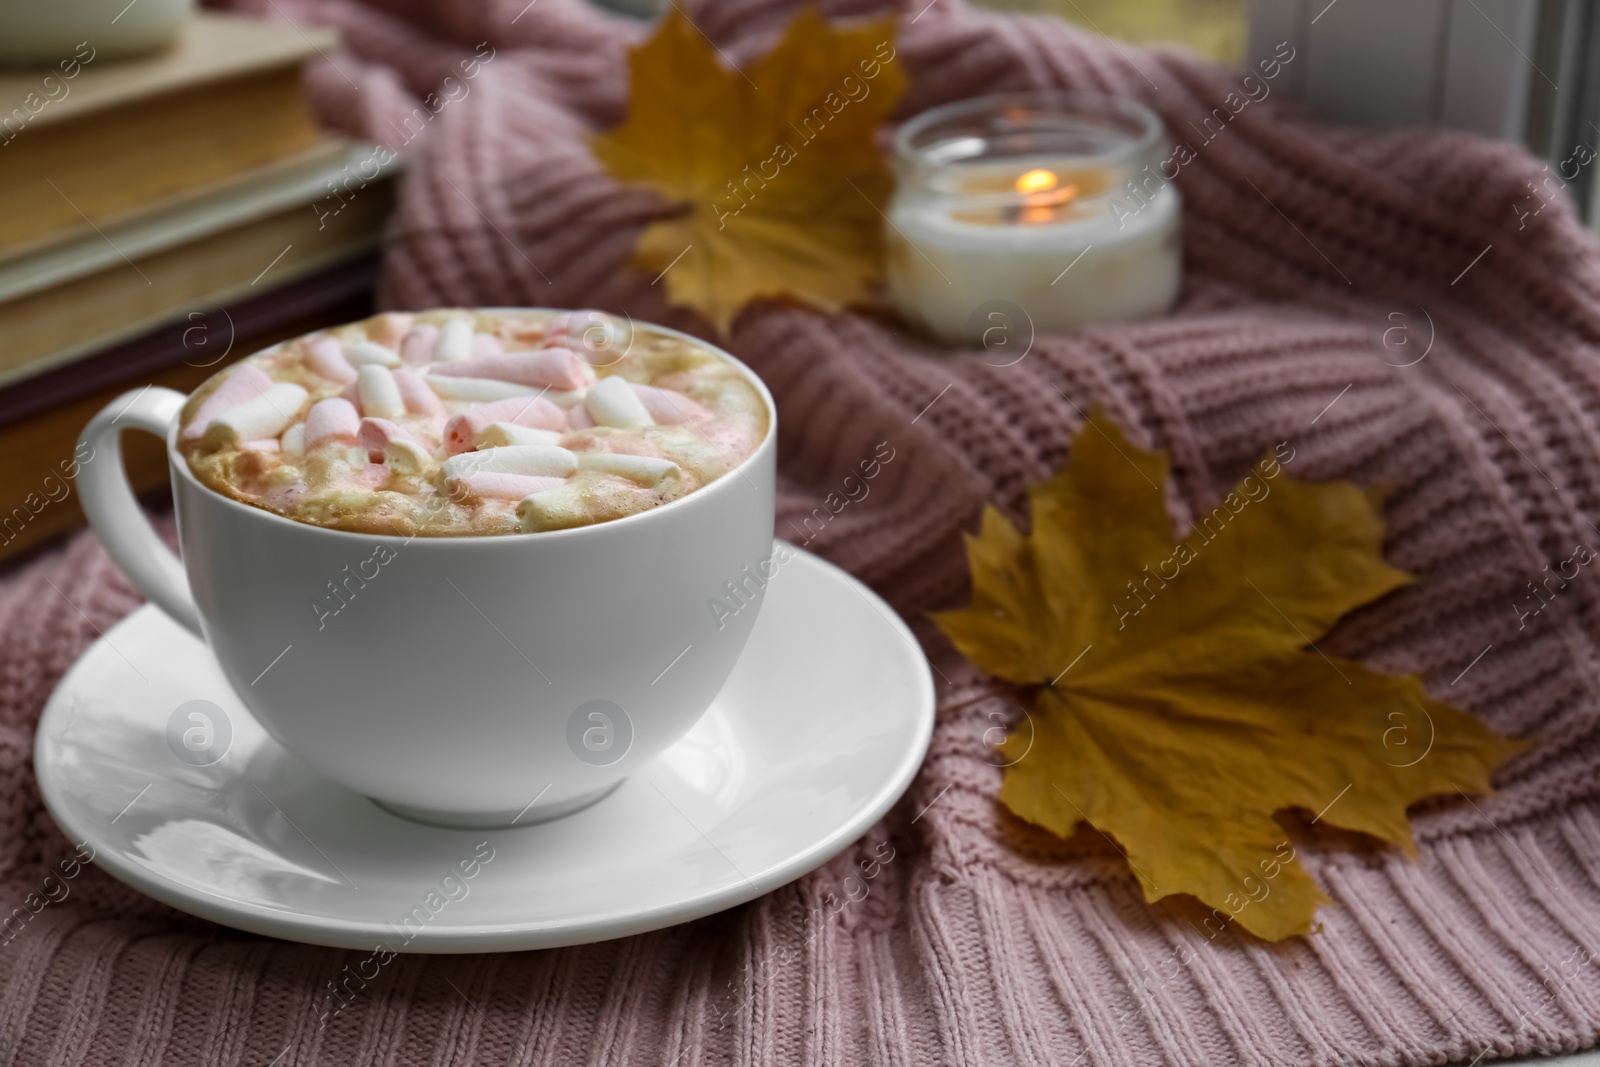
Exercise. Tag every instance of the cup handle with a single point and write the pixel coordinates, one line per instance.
(115, 514)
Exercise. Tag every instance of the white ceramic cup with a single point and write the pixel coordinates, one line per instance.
(44, 31)
(465, 678)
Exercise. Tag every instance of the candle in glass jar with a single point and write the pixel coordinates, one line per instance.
(1025, 200)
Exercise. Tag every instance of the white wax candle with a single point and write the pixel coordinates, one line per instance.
(1115, 264)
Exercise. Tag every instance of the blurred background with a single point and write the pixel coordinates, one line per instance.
(156, 244)
(1216, 29)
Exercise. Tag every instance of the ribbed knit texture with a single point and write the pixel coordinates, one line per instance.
(983, 941)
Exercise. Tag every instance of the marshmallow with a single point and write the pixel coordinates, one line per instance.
(268, 445)
(554, 509)
(599, 338)
(645, 470)
(461, 432)
(550, 368)
(375, 434)
(418, 398)
(567, 323)
(325, 356)
(242, 383)
(670, 407)
(293, 442)
(420, 344)
(362, 353)
(266, 415)
(455, 341)
(477, 390)
(404, 456)
(389, 328)
(486, 344)
(503, 434)
(578, 418)
(548, 461)
(285, 497)
(485, 485)
(333, 419)
(566, 399)
(380, 394)
(578, 504)
(612, 402)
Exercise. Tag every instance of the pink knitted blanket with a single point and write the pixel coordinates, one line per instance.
(982, 942)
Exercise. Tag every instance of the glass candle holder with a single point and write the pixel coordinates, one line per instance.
(1050, 207)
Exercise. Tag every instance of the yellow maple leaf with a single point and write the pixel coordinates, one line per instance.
(1183, 700)
(774, 168)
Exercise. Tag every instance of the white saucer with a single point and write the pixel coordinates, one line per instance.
(821, 728)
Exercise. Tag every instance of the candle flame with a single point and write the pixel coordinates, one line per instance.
(1035, 181)
(1043, 195)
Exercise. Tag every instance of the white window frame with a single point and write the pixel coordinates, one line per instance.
(1521, 70)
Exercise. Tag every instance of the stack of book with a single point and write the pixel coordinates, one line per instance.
(164, 216)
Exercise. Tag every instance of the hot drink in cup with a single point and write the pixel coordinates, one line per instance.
(464, 562)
